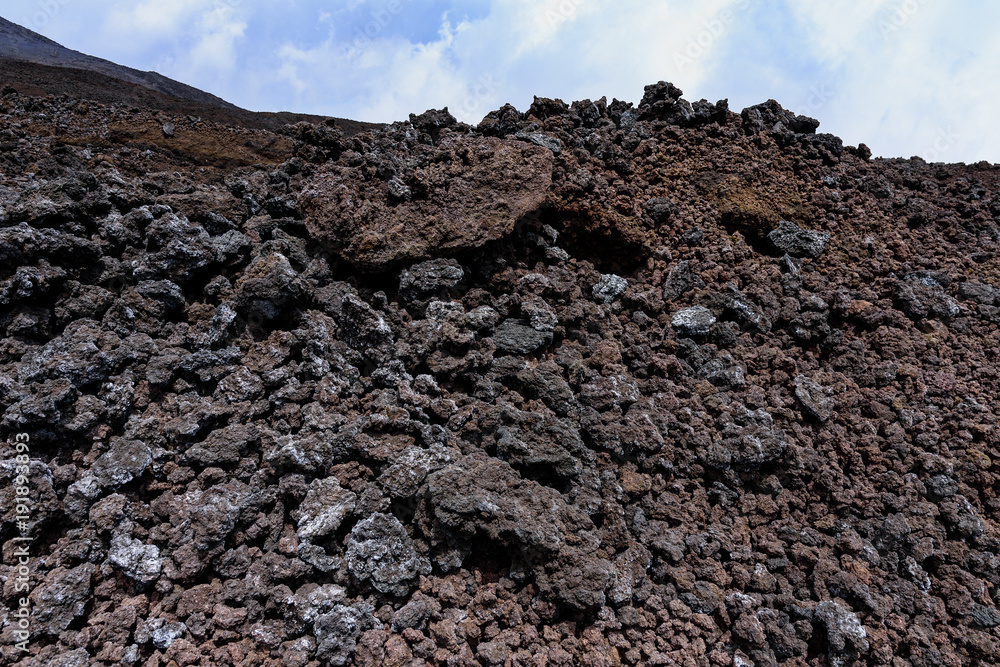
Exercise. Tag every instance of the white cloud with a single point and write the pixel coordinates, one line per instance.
(150, 21)
(190, 40)
(913, 78)
(560, 48)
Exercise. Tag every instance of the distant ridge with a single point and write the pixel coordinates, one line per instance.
(36, 65)
(23, 45)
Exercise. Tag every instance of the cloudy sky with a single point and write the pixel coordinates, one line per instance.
(907, 77)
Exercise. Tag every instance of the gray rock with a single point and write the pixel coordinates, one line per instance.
(546, 382)
(609, 287)
(940, 486)
(680, 280)
(985, 617)
(165, 634)
(606, 392)
(723, 372)
(483, 495)
(924, 297)
(317, 557)
(205, 518)
(177, 249)
(230, 244)
(815, 399)
(517, 337)
(630, 571)
(747, 451)
(693, 321)
(414, 614)
(556, 254)
(539, 443)
(266, 285)
(169, 129)
(958, 513)
(746, 312)
(47, 404)
(403, 478)
(325, 507)
(844, 633)
(483, 318)
(337, 634)
(75, 658)
(167, 293)
(311, 601)
(74, 355)
(986, 295)
(61, 597)
(381, 552)
(539, 313)
(80, 495)
(428, 278)
(123, 462)
(399, 190)
(704, 599)
(364, 328)
(791, 239)
(225, 445)
(139, 561)
(493, 653)
(748, 441)
(540, 139)
(21, 244)
(660, 209)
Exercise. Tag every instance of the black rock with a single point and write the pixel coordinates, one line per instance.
(791, 239)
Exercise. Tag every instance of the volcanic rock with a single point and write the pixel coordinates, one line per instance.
(588, 383)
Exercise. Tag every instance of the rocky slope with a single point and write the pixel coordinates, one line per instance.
(589, 384)
(32, 64)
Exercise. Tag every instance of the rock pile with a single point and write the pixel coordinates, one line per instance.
(585, 384)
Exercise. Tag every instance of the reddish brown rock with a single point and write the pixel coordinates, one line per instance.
(458, 195)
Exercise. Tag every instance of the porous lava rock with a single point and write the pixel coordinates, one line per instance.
(444, 198)
(592, 383)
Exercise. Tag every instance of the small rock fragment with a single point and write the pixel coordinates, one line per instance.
(609, 287)
(380, 551)
(791, 239)
(324, 508)
(844, 632)
(139, 561)
(428, 278)
(516, 337)
(693, 321)
(815, 399)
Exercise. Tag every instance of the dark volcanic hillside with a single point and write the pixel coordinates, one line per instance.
(592, 384)
(35, 65)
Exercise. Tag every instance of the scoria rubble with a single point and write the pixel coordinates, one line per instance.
(591, 383)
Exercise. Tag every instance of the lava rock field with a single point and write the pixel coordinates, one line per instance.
(600, 384)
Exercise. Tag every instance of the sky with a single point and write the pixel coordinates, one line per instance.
(906, 77)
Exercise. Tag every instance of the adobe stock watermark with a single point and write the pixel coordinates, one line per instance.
(379, 21)
(944, 140)
(480, 91)
(47, 10)
(899, 17)
(564, 11)
(20, 616)
(816, 100)
(713, 28)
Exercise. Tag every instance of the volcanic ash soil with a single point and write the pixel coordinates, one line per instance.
(595, 384)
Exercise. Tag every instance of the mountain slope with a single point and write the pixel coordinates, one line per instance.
(22, 45)
(36, 65)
